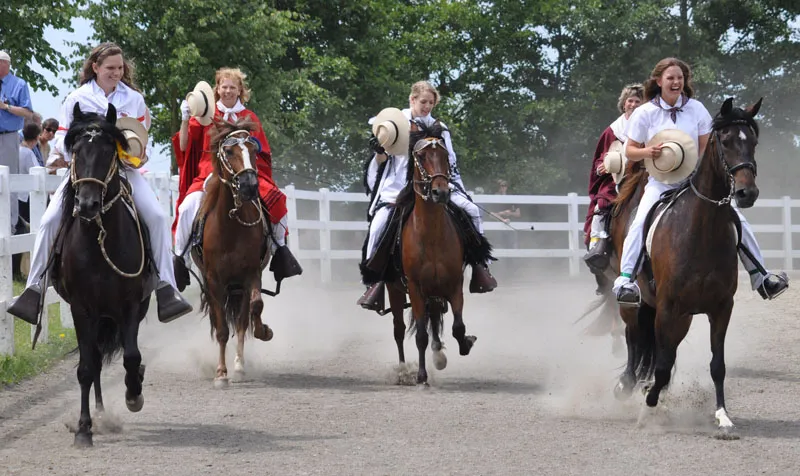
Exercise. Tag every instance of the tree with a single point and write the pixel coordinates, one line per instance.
(22, 36)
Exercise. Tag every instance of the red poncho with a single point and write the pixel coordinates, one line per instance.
(602, 189)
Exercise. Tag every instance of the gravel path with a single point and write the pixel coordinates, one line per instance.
(534, 397)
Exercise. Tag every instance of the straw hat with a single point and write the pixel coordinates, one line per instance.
(615, 161)
(201, 103)
(392, 130)
(136, 134)
(678, 156)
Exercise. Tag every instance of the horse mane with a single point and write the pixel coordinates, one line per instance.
(436, 130)
(634, 173)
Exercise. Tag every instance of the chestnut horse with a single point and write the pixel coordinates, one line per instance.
(101, 268)
(693, 258)
(235, 245)
(432, 252)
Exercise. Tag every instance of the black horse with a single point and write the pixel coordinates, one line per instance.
(101, 267)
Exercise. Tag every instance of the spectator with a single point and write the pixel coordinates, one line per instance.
(42, 149)
(508, 211)
(15, 107)
(27, 159)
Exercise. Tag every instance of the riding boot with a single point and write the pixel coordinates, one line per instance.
(181, 273)
(284, 264)
(598, 257)
(171, 305)
(482, 280)
(771, 287)
(28, 305)
(629, 295)
(373, 297)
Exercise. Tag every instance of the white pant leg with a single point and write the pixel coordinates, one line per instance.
(633, 242)
(46, 234)
(749, 242)
(186, 215)
(151, 213)
(377, 226)
(459, 200)
(279, 232)
(598, 227)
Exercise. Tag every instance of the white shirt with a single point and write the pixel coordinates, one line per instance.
(394, 175)
(649, 119)
(92, 98)
(27, 159)
(619, 126)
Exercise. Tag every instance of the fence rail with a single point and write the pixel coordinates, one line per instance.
(316, 219)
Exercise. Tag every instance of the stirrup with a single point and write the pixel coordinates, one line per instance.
(629, 295)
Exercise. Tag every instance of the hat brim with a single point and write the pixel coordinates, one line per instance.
(131, 124)
(614, 156)
(399, 121)
(206, 92)
(690, 156)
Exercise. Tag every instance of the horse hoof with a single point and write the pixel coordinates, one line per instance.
(264, 333)
(621, 392)
(726, 433)
(238, 369)
(83, 440)
(468, 342)
(221, 382)
(439, 360)
(423, 386)
(136, 404)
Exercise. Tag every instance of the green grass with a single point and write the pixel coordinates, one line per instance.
(26, 363)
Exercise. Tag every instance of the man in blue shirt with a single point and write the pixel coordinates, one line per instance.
(15, 107)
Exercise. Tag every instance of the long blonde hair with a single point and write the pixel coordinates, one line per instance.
(237, 76)
(99, 54)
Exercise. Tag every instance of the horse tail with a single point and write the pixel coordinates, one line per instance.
(634, 173)
(109, 339)
(233, 306)
(435, 320)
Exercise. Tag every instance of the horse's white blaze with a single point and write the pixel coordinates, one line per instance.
(742, 135)
(246, 157)
(722, 419)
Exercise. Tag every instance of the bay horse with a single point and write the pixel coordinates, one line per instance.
(108, 287)
(235, 248)
(432, 251)
(693, 258)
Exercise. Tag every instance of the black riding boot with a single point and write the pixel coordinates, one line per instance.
(597, 258)
(284, 264)
(28, 305)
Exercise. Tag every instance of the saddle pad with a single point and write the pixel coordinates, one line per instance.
(660, 212)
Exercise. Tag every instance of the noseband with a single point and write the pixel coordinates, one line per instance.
(233, 182)
(729, 171)
(427, 179)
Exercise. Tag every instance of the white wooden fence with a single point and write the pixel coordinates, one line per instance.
(324, 204)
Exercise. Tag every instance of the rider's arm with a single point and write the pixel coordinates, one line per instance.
(184, 135)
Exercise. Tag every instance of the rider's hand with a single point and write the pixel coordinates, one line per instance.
(601, 169)
(376, 146)
(654, 152)
(185, 114)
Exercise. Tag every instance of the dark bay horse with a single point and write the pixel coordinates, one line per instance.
(235, 248)
(432, 252)
(693, 257)
(101, 268)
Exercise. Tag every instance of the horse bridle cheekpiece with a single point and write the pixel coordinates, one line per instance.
(729, 171)
(232, 140)
(427, 179)
(124, 193)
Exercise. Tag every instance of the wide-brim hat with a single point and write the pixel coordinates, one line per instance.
(678, 156)
(391, 127)
(136, 134)
(615, 161)
(201, 103)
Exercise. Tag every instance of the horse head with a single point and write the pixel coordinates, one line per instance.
(429, 162)
(735, 136)
(93, 141)
(234, 162)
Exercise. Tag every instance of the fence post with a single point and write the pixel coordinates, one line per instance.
(291, 220)
(163, 194)
(574, 228)
(787, 234)
(325, 235)
(6, 281)
(37, 200)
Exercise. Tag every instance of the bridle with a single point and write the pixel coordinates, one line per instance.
(233, 182)
(729, 171)
(124, 193)
(427, 179)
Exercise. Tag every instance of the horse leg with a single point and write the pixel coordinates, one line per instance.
(437, 323)
(98, 393)
(222, 331)
(397, 301)
(644, 362)
(132, 361)
(261, 331)
(238, 359)
(669, 331)
(627, 381)
(719, 327)
(418, 312)
(87, 337)
(465, 342)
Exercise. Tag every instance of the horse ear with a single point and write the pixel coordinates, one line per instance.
(753, 110)
(727, 107)
(76, 111)
(111, 115)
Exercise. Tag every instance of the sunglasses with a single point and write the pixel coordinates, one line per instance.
(50, 130)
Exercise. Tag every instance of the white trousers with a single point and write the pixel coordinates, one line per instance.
(633, 241)
(598, 227)
(150, 212)
(187, 213)
(382, 217)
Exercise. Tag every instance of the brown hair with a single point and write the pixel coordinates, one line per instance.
(651, 87)
(98, 55)
(237, 76)
(631, 90)
(423, 86)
